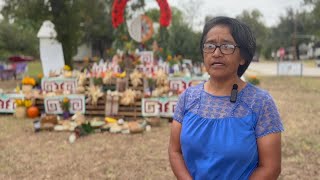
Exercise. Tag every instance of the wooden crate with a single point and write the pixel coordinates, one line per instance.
(39, 103)
(130, 111)
(139, 88)
(97, 110)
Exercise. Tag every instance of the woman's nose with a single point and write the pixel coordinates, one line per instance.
(216, 52)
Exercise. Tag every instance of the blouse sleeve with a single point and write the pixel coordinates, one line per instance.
(180, 108)
(268, 119)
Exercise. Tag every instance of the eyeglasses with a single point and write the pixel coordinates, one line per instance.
(225, 49)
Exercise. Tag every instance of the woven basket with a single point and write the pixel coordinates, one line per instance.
(20, 112)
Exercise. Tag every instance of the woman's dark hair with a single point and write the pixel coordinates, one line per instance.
(240, 32)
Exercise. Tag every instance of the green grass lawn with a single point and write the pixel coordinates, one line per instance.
(34, 68)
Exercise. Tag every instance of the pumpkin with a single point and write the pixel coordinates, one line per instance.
(33, 112)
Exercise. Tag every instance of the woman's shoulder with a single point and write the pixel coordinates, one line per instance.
(253, 92)
(194, 91)
(255, 97)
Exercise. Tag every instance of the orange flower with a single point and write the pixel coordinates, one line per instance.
(28, 81)
(253, 77)
(65, 100)
(40, 75)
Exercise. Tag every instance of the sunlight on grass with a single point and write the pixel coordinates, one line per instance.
(309, 63)
(34, 68)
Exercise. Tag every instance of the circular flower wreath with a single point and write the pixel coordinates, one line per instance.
(118, 8)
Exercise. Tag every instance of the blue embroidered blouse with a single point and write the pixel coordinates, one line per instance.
(219, 138)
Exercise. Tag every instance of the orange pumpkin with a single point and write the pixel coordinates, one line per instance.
(33, 112)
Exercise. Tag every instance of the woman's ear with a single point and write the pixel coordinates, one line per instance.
(242, 62)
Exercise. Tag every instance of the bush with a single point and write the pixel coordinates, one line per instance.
(253, 79)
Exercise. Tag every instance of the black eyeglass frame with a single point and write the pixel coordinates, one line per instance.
(219, 46)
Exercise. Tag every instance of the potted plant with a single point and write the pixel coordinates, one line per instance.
(27, 84)
(21, 107)
(65, 105)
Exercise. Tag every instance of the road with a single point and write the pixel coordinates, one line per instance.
(270, 69)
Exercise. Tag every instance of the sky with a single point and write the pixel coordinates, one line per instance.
(271, 9)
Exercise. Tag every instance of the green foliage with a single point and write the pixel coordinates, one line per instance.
(15, 40)
(254, 20)
(66, 17)
(186, 43)
(153, 14)
(294, 28)
(177, 39)
(98, 81)
(28, 13)
(182, 39)
(85, 21)
(75, 21)
(314, 24)
(96, 25)
(253, 80)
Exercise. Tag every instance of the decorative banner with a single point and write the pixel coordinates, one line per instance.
(182, 83)
(146, 57)
(64, 84)
(7, 102)
(162, 106)
(290, 68)
(77, 104)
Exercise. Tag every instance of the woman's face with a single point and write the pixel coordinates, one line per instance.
(217, 64)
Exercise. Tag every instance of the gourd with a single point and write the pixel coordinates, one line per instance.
(33, 112)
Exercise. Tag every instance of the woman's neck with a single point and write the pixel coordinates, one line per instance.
(223, 87)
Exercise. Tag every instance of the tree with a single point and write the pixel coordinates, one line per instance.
(96, 25)
(182, 39)
(67, 18)
(75, 21)
(294, 28)
(179, 38)
(64, 14)
(27, 13)
(16, 40)
(254, 20)
(314, 17)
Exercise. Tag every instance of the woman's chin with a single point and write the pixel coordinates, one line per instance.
(218, 75)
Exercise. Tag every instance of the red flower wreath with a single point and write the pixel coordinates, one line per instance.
(118, 8)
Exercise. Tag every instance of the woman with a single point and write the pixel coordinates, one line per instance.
(226, 128)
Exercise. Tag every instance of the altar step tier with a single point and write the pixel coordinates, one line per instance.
(130, 112)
